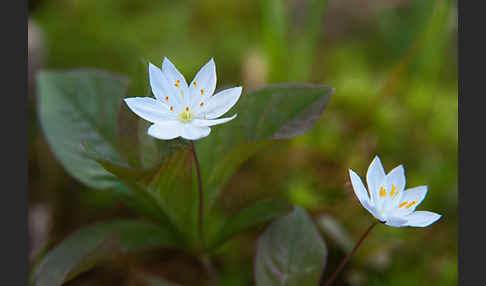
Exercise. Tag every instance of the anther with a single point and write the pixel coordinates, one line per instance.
(411, 204)
(392, 190)
(382, 192)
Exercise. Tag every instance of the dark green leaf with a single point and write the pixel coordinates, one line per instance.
(165, 188)
(290, 252)
(96, 243)
(136, 199)
(252, 216)
(82, 106)
(131, 188)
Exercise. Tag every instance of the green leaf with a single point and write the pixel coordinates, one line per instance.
(96, 243)
(165, 190)
(279, 111)
(137, 199)
(290, 252)
(275, 112)
(82, 106)
(252, 216)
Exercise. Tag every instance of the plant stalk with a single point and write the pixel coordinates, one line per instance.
(331, 279)
(200, 210)
(205, 260)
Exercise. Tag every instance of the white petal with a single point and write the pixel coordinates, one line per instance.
(221, 102)
(396, 222)
(193, 132)
(375, 177)
(155, 78)
(203, 84)
(211, 122)
(173, 74)
(422, 218)
(396, 177)
(416, 194)
(149, 109)
(372, 209)
(359, 188)
(162, 89)
(363, 195)
(165, 130)
(394, 185)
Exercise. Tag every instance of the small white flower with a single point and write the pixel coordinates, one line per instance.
(180, 109)
(387, 199)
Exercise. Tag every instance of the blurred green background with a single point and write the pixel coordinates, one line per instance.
(393, 64)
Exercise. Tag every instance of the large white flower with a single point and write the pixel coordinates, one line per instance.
(387, 199)
(180, 109)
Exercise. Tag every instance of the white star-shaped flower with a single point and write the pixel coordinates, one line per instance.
(180, 109)
(387, 199)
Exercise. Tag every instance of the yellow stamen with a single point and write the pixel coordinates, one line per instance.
(411, 204)
(176, 83)
(195, 83)
(171, 108)
(201, 104)
(185, 116)
(187, 108)
(382, 192)
(402, 204)
(167, 98)
(202, 91)
(392, 190)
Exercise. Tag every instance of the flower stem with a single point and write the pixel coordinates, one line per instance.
(205, 259)
(200, 218)
(331, 279)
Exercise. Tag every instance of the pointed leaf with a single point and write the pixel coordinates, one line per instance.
(290, 252)
(96, 243)
(165, 188)
(77, 106)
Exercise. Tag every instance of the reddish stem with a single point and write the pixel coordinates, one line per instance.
(331, 279)
(198, 169)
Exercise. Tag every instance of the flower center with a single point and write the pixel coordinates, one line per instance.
(186, 115)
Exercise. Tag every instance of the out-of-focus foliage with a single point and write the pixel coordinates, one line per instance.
(394, 67)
